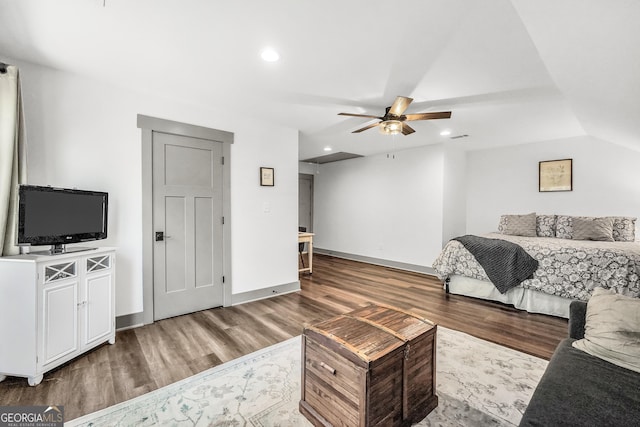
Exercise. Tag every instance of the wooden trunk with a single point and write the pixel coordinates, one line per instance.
(372, 367)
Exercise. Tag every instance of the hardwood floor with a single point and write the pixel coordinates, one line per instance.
(146, 358)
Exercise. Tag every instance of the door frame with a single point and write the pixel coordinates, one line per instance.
(148, 125)
(309, 177)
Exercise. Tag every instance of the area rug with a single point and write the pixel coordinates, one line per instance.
(478, 384)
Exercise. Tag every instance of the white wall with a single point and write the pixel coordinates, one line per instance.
(265, 219)
(82, 133)
(606, 181)
(385, 206)
(454, 193)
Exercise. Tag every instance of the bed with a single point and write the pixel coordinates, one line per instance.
(568, 269)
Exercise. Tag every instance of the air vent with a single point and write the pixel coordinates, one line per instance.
(459, 136)
(333, 157)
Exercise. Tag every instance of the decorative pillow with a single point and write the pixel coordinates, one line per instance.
(593, 229)
(624, 229)
(546, 225)
(612, 329)
(518, 225)
(502, 224)
(564, 228)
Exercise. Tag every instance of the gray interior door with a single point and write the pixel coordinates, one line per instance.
(187, 211)
(305, 201)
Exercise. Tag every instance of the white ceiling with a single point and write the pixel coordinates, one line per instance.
(511, 72)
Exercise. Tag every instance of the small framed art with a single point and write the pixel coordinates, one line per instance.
(267, 177)
(555, 175)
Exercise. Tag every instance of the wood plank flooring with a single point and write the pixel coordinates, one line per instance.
(146, 358)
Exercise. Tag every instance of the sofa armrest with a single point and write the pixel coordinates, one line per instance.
(577, 319)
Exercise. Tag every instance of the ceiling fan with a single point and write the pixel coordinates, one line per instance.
(393, 121)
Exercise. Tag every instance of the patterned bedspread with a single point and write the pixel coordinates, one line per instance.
(567, 268)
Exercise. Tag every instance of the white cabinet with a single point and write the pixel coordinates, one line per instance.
(54, 308)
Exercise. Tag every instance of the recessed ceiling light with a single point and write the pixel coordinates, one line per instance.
(327, 148)
(445, 132)
(270, 55)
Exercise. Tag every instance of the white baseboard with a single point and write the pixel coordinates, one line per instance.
(265, 293)
(377, 261)
(129, 321)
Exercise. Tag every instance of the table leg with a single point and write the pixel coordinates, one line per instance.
(310, 256)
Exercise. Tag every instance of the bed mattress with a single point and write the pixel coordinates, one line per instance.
(568, 269)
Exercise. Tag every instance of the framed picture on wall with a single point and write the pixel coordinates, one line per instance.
(267, 177)
(555, 175)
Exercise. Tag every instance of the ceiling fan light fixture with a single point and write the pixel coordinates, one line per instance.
(391, 127)
(393, 121)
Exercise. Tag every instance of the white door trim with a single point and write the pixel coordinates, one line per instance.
(148, 125)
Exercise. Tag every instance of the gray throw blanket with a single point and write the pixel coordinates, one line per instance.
(505, 263)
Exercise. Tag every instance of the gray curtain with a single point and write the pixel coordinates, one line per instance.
(13, 170)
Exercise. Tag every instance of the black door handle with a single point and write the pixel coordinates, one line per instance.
(159, 236)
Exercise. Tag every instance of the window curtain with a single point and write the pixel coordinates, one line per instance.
(13, 169)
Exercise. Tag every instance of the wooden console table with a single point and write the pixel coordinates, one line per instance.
(304, 237)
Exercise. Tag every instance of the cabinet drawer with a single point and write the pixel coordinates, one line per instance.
(333, 384)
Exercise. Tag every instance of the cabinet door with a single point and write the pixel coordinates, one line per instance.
(60, 320)
(99, 310)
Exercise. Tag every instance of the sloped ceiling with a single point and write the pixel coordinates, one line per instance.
(592, 52)
(512, 72)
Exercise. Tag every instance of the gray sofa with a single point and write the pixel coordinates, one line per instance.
(578, 389)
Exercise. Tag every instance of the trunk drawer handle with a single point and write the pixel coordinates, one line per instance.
(328, 368)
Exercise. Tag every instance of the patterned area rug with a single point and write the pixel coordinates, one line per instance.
(478, 384)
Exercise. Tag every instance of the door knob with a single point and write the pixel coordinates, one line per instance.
(160, 236)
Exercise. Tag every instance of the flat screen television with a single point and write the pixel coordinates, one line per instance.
(58, 216)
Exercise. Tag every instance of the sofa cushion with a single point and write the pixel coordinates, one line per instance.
(593, 229)
(578, 389)
(518, 225)
(612, 329)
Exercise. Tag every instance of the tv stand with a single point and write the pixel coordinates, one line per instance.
(54, 308)
(61, 248)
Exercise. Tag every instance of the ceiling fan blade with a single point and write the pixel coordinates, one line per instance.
(406, 129)
(359, 115)
(399, 105)
(429, 116)
(366, 127)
